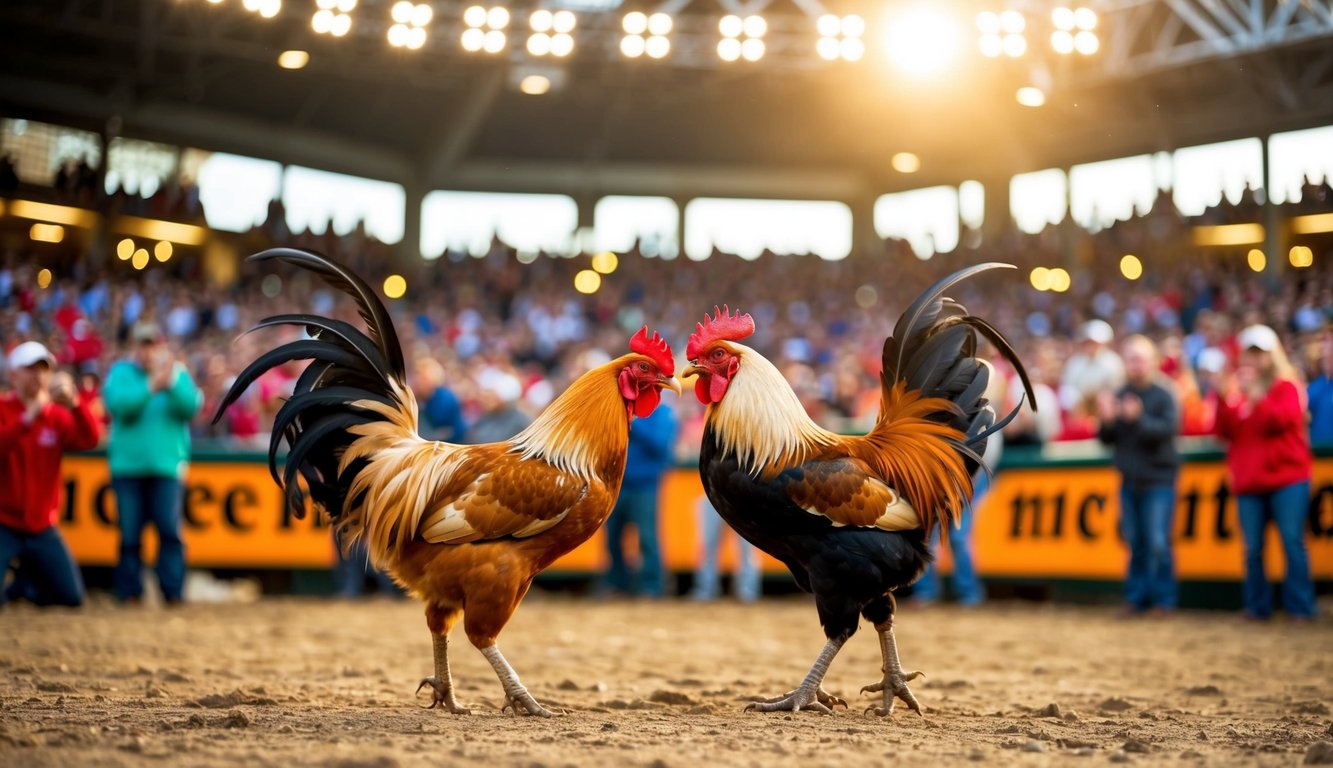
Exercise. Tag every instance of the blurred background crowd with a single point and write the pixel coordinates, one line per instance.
(491, 340)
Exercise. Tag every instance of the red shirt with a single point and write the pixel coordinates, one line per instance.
(1269, 447)
(30, 480)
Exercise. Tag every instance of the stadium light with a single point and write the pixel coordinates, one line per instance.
(1002, 34)
(840, 37)
(922, 39)
(409, 27)
(334, 17)
(1074, 31)
(646, 35)
(266, 8)
(484, 29)
(741, 38)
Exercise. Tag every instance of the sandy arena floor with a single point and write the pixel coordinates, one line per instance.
(287, 682)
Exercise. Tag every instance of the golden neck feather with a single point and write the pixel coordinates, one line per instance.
(586, 429)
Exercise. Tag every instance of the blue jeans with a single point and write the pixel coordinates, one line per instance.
(140, 501)
(706, 577)
(349, 572)
(966, 586)
(636, 507)
(46, 574)
(1288, 507)
(1147, 517)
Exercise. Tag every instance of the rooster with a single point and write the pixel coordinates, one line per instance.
(463, 528)
(849, 516)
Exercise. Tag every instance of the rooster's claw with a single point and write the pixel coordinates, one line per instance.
(524, 704)
(800, 699)
(894, 686)
(441, 696)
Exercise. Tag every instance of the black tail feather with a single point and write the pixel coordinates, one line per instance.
(339, 277)
(933, 350)
(347, 366)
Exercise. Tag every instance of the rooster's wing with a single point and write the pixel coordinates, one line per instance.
(498, 496)
(847, 492)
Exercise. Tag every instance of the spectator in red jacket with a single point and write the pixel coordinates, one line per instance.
(41, 419)
(1261, 415)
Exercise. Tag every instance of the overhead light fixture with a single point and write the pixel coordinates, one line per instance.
(293, 59)
(535, 85)
(1031, 96)
(840, 37)
(484, 29)
(741, 38)
(905, 162)
(46, 233)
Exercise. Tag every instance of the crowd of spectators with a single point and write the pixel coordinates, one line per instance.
(503, 337)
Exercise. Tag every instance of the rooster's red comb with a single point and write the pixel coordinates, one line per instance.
(656, 348)
(722, 325)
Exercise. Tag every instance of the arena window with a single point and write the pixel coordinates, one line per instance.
(1039, 198)
(1208, 174)
(621, 221)
(469, 221)
(749, 227)
(926, 218)
(316, 200)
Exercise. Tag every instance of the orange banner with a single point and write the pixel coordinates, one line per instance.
(1047, 522)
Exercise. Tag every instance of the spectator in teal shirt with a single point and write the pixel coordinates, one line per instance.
(151, 400)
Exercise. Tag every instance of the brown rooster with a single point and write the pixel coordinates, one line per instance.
(465, 528)
(849, 516)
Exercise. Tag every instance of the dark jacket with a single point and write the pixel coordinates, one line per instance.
(1145, 449)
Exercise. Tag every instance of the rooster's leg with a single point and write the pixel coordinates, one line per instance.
(809, 695)
(439, 620)
(516, 695)
(894, 684)
(442, 684)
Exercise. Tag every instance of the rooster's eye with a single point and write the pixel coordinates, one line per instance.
(718, 354)
(643, 367)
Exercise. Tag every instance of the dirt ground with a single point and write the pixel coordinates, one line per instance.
(306, 682)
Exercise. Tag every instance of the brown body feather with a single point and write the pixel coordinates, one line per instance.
(467, 527)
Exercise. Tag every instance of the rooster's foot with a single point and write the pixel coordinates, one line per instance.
(442, 696)
(524, 704)
(894, 686)
(803, 698)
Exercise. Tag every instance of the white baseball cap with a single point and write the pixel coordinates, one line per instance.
(30, 353)
(1258, 337)
(1099, 331)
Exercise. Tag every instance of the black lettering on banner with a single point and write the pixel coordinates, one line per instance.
(1188, 527)
(236, 498)
(1221, 525)
(196, 493)
(1058, 529)
(1016, 528)
(1321, 512)
(1093, 502)
(71, 488)
(101, 509)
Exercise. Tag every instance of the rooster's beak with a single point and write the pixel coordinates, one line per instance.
(690, 370)
(669, 382)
